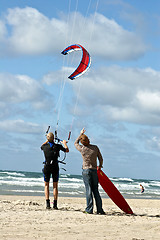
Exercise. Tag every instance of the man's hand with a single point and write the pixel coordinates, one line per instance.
(64, 142)
(99, 168)
(82, 131)
(65, 145)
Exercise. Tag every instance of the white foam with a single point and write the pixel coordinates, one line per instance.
(14, 173)
(71, 179)
(64, 175)
(22, 183)
(27, 191)
(70, 185)
(154, 183)
(122, 179)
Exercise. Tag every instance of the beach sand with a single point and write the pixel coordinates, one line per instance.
(24, 217)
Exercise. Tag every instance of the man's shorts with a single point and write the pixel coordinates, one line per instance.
(48, 170)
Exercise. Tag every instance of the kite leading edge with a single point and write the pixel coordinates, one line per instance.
(85, 61)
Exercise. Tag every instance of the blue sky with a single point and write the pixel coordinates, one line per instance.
(117, 100)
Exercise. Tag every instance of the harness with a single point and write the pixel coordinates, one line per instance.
(57, 141)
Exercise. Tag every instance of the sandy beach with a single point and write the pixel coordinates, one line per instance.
(25, 217)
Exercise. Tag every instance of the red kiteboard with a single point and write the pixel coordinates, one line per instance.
(113, 192)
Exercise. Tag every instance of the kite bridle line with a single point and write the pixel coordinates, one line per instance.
(91, 33)
(64, 79)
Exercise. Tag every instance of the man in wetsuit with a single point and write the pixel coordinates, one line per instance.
(90, 153)
(51, 152)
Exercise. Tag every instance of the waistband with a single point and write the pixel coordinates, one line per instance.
(51, 163)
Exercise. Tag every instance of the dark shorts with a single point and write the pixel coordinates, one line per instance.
(48, 171)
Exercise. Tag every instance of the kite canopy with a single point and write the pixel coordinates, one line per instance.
(85, 61)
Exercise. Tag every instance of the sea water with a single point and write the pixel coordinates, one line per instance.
(32, 184)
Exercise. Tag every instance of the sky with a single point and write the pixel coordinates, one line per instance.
(117, 100)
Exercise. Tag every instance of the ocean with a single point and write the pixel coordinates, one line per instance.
(32, 184)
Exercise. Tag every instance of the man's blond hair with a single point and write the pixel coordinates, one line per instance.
(50, 136)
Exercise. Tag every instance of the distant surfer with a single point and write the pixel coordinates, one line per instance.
(142, 188)
(90, 153)
(51, 152)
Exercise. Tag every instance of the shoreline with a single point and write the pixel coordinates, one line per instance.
(25, 218)
(62, 195)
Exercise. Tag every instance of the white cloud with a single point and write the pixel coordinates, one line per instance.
(149, 100)
(32, 33)
(150, 136)
(22, 95)
(19, 126)
(19, 88)
(3, 30)
(121, 94)
(113, 42)
(115, 94)
(57, 77)
(153, 144)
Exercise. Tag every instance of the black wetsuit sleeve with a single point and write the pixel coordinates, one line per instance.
(62, 148)
(42, 147)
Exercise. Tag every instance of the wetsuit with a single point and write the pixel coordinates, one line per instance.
(51, 167)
